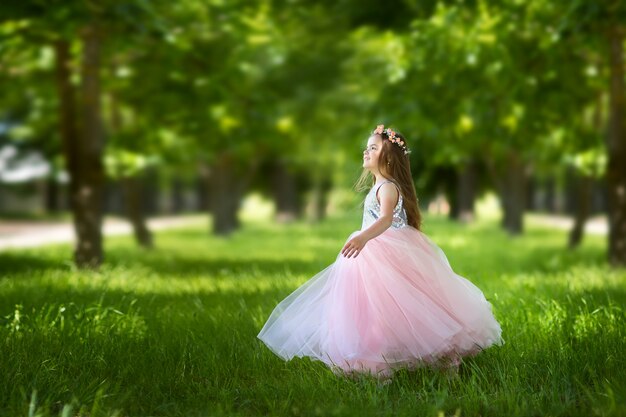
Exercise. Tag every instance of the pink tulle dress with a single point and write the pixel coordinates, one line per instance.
(397, 304)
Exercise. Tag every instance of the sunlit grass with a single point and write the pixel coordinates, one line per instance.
(172, 331)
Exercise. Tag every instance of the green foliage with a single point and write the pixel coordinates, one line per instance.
(305, 82)
(173, 331)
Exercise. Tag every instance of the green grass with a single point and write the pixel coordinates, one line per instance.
(172, 332)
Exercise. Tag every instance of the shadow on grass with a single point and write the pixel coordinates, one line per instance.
(212, 267)
(23, 262)
(485, 250)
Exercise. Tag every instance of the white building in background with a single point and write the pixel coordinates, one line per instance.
(23, 168)
(24, 180)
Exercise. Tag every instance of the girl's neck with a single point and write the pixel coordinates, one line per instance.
(379, 177)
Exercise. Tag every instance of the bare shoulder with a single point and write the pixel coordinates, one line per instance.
(388, 192)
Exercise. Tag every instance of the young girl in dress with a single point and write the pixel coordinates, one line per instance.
(391, 299)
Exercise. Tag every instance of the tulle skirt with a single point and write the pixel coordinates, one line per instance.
(397, 304)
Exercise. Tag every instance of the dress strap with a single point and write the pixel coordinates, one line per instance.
(386, 182)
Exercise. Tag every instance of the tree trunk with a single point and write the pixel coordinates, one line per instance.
(321, 188)
(52, 195)
(67, 114)
(151, 191)
(285, 193)
(113, 198)
(88, 199)
(83, 145)
(466, 191)
(134, 208)
(225, 196)
(616, 146)
(531, 194)
(583, 206)
(202, 188)
(452, 194)
(597, 192)
(513, 194)
(177, 196)
(550, 199)
(132, 187)
(570, 191)
(202, 194)
(599, 199)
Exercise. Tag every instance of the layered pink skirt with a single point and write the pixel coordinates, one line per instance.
(397, 304)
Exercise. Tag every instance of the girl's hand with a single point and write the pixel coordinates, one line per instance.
(353, 247)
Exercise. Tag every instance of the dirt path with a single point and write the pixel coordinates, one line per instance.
(596, 225)
(26, 234)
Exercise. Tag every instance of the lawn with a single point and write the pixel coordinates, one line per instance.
(172, 331)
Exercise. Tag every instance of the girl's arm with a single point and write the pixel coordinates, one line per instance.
(388, 197)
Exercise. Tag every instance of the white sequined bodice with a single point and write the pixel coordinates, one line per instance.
(371, 209)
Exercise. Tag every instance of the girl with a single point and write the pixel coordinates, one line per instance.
(391, 299)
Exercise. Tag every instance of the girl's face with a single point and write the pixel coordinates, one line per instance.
(372, 152)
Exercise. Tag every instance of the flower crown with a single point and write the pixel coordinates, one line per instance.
(391, 135)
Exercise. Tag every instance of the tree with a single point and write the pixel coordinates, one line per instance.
(601, 24)
(80, 118)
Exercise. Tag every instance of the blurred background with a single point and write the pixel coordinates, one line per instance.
(129, 110)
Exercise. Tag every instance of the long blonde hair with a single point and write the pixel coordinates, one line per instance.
(395, 166)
